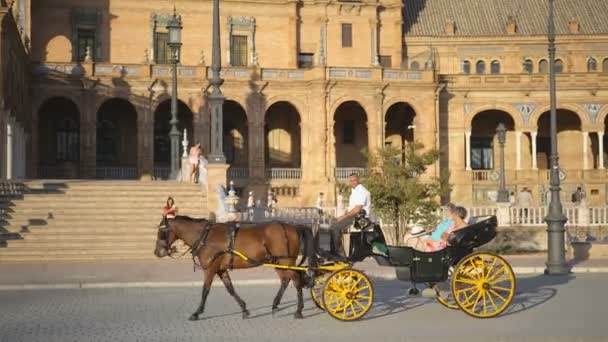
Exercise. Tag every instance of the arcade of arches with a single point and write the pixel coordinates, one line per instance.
(281, 135)
(582, 153)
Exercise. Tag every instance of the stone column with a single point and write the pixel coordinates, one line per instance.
(600, 137)
(467, 148)
(292, 40)
(9, 147)
(256, 150)
(533, 137)
(373, 25)
(518, 150)
(585, 150)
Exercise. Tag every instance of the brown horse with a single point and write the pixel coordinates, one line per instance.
(273, 242)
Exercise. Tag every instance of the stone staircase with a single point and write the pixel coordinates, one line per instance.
(89, 220)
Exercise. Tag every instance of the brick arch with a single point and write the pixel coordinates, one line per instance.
(297, 104)
(570, 107)
(405, 99)
(601, 116)
(160, 98)
(346, 98)
(519, 124)
(50, 96)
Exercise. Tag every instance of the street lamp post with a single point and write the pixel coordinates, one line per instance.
(216, 99)
(503, 194)
(174, 27)
(556, 260)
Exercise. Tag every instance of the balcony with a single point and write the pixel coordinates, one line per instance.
(342, 173)
(515, 81)
(284, 173)
(200, 73)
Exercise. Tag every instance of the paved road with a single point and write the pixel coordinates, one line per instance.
(569, 308)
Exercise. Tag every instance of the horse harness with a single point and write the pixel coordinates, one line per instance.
(231, 232)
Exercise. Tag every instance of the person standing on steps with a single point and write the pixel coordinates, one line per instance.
(193, 160)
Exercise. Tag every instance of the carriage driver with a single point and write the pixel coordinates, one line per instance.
(360, 199)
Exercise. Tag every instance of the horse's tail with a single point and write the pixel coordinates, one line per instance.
(309, 249)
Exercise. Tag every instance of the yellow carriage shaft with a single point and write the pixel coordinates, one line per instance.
(328, 268)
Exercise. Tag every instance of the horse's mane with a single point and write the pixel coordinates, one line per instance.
(190, 219)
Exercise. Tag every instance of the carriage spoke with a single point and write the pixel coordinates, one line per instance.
(485, 304)
(493, 303)
(501, 288)
(474, 306)
(459, 291)
(467, 281)
(498, 295)
(490, 269)
(500, 271)
(360, 305)
(473, 267)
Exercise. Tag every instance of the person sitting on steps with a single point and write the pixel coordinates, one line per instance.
(170, 210)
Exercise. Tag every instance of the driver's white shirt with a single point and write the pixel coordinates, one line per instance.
(360, 196)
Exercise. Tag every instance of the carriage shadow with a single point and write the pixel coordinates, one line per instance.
(391, 297)
(535, 291)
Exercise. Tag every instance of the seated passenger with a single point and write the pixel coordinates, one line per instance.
(416, 238)
(439, 240)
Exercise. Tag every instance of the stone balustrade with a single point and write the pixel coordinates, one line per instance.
(200, 72)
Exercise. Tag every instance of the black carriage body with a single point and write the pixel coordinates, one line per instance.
(425, 267)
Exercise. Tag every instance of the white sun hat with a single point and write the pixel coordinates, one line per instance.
(417, 230)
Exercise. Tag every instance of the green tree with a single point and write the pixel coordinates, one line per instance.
(401, 194)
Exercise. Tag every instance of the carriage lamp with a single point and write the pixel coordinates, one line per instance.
(175, 42)
(503, 194)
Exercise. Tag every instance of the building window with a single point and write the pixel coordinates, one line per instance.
(162, 52)
(605, 66)
(591, 65)
(480, 68)
(347, 35)
(385, 61)
(495, 67)
(482, 153)
(86, 39)
(528, 66)
(466, 67)
(68, 141)
(305, 60)
(415, 66)
(543, 66)
(238, 50)
(559, 66)
(348, 131)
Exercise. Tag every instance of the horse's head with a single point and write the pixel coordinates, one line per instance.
(164, 239)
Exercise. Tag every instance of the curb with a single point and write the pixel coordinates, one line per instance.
(243, 282)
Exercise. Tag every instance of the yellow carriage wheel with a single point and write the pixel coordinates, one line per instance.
(348, 294)
(316, 291)
(483, 285)
(444, 292)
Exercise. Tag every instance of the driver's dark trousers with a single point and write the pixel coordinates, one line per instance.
(335, 231)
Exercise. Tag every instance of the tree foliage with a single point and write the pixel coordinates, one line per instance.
(401, 194)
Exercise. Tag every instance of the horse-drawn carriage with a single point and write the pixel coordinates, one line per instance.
(480, 284)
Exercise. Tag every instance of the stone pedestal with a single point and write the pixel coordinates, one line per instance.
(583, 215)
(502, 214)
(216, 175)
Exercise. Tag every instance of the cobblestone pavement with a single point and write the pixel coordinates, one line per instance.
(564, 308)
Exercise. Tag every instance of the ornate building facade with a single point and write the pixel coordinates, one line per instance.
(309, 86)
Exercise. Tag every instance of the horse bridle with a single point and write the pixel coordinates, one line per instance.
(163, 234)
